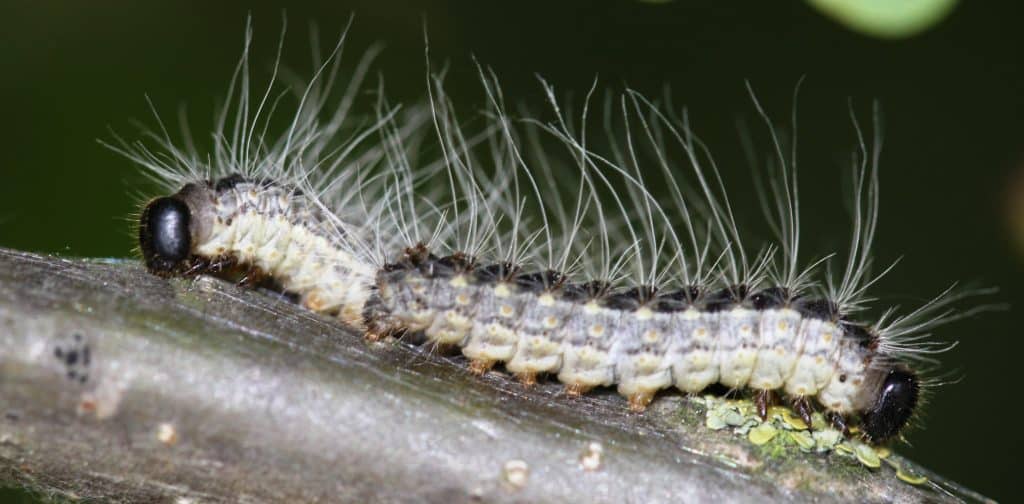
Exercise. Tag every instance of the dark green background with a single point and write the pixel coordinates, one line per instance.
(953, 100)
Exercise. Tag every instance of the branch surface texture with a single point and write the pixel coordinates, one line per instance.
(120, 386)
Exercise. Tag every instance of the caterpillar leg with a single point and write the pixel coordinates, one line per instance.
(315, 301)
(376, 331)
(378, 321)
(375, 335)
(576, 389)
(839, 422)
(764, 399)
(197, 266)
(527, 378)
(480, 367)
(252, 277)
(804, 409)
(638, 402)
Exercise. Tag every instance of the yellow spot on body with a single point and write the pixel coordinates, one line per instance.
(596, 330)
(700, 332)
(783, 325)
(502, 290)
(745, 329)
(458, 281)
(546, 300)
(591, 308)
(462, 299)
(506, 310)
(550, 322)
(827, 336)
(651, 336)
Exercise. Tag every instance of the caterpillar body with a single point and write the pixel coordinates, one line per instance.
(410, 223)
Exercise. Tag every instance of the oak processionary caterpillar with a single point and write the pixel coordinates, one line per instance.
(526, 242)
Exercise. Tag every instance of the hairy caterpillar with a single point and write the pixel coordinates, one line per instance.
(523, 241)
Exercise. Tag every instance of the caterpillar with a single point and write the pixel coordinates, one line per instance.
(523, 241)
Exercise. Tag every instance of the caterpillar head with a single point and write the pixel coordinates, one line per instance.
(895, 403)
(169, 229)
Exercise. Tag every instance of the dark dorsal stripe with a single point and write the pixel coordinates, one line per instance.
(447, 266)
(630, 299)
(770, 298)
(229, 182)
(859, 333)
(235, 179)
(817, 308)
(727, 298)
(420, 258)
(678, 300)
(585, 292)
(541, 281)
(494, 273)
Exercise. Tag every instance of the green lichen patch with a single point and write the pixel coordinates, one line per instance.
(866, 455)
(762, 434)
(802, 439)
(904, 474)
(783, 432)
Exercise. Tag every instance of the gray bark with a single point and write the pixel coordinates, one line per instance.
(199, 390)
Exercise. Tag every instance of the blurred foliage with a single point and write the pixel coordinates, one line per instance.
(887, 18)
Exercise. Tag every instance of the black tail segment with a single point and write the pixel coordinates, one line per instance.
(896, 402)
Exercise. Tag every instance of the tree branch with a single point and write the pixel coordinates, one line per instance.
(118, 385)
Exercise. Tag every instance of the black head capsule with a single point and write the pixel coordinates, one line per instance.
(896, 401)
(164, 235)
